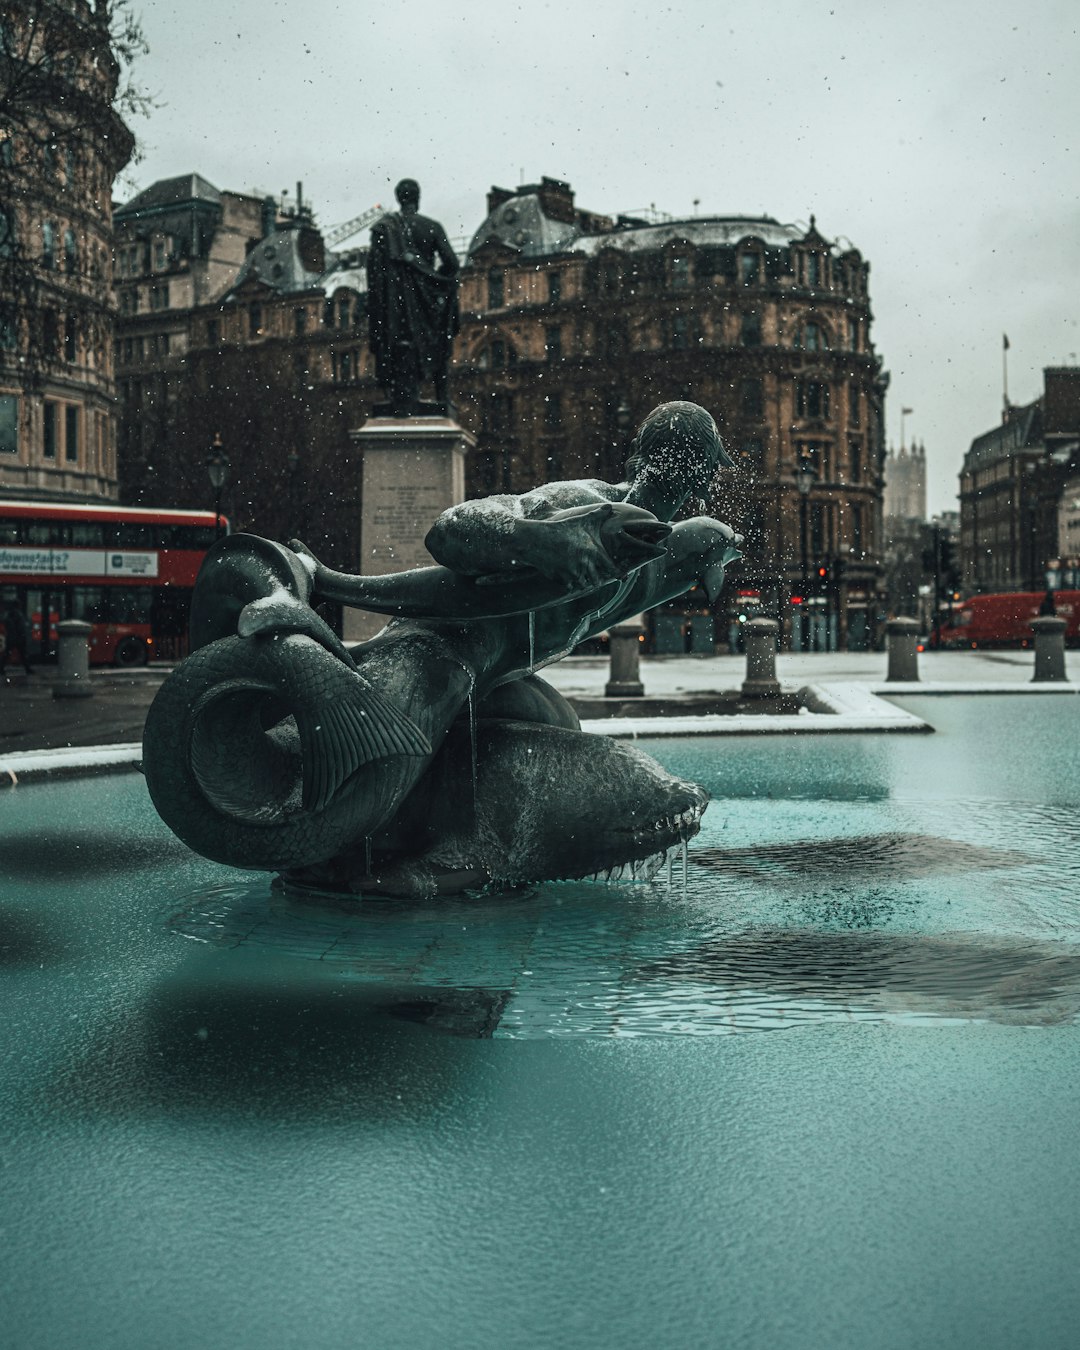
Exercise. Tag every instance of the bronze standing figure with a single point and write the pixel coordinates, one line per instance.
(412, 305)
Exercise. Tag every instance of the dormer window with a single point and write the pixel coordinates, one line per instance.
(813, 269)
(496, 293)
(749, 268)
(680, 274)
(812, 338)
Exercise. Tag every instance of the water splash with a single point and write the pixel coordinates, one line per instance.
(472, 741)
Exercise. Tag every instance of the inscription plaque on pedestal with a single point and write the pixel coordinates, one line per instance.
(413, 469)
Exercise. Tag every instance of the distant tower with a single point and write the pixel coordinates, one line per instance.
(905, 483)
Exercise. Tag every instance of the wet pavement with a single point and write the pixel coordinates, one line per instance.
(31, 719)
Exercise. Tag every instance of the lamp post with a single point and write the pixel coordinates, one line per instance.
(217, 466)
(805, 477)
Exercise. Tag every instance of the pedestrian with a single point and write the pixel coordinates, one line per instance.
(16, 637)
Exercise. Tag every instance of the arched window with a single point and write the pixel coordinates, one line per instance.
(813, 338)
(48, 245)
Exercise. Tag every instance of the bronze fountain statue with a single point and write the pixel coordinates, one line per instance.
(433, 759)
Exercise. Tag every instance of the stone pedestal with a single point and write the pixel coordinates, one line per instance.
(73, 659)
(1049, 648)
(760, 638)
(413, 469)
(624, 650)
(901, 640)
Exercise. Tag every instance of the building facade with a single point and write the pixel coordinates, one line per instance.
(1015, 521)
(61, 145)
(574, 325)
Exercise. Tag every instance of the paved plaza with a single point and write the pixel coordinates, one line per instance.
(31, 719)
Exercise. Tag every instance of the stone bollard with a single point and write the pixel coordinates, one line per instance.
(901, 637)
(624, 646)
(1049, 648)
(760, 638)
(73, 676)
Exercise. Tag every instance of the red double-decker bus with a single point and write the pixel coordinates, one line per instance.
(127, 571)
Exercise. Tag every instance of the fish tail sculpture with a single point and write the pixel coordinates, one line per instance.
(255, 750)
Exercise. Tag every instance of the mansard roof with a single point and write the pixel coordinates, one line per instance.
(1023, 431)
(168, 193)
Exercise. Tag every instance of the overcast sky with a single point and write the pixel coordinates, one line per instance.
(940, 138)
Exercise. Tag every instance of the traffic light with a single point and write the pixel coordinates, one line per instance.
(821, 575)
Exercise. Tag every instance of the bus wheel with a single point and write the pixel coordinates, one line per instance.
(130, 651)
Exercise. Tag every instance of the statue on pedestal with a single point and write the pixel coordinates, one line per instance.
(432, 758)
(412, 306)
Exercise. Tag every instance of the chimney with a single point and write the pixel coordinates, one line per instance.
(496, 197)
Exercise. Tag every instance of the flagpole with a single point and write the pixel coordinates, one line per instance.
(1005, 369)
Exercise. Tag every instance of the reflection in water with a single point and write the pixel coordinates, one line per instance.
(887, 856)
(763, 937)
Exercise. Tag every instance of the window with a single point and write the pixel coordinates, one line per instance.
(7, 152)
(496, 297)
(48, 441)
(71, 434)
(554, 286)
(71, 258)
(680, 273)
(70, 338)
(498, 354)
(159, 254)
(857, 546)
(813, 269)
(553, 344)
(680, 332)
(50, 332)
(750, 268)
(299, 320)
(48, 245)
(817, 529)
(163, 343)
(812, 338)
(344, 312)
(7, 230)
(9, 424)
(213, 332)
(854, 405)
(552, 411)
(69, 167)
(855, 460)
(812, 398)
(255, 320)
(8, 328)
(159, 296)
(750, 329)
(853, 334)
(751, 398)
(497, 414)
(751, 452)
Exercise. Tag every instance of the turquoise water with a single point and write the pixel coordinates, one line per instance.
(554, 1118)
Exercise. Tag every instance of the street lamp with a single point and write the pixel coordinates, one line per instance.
(217, 466)
(805, 477)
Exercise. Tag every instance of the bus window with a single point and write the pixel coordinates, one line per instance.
(129, 534)
(9, 533)
(86, 534)
(38, 533)
(87, 603)
(201, 537)
(129, 604)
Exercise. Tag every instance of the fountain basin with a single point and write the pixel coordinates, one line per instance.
(552, 1118)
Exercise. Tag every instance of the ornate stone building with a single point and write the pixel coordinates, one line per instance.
(1014, 486)
(573, 326)
(61, 145)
